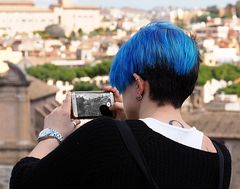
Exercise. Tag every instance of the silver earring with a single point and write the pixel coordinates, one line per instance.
(139, 97)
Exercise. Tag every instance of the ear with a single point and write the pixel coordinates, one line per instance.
(139, 83)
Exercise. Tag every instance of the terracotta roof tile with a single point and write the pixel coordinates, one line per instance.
(39, 89)
(219, 124)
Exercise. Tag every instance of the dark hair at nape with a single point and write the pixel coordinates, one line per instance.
(169, 87)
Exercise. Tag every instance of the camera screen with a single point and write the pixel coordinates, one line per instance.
(92, 104)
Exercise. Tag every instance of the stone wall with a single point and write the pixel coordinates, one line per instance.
(16, 132)
(5, 173)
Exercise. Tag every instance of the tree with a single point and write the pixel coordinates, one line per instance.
(180, 23)
(232, 89)
(50, 71)
(80, 72)
(66, 74)
(213, 11)
(42, 34)
(237, 7)
(73, 35)
(229, 11)
(227, 72)
(80, 32)
(85, 86)
(197, 19)
(205, 74)
(101, 31)
(55, 31)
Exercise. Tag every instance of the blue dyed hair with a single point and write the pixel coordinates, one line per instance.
(155, 44)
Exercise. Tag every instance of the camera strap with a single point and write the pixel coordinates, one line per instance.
(135, 151)
(221, 164)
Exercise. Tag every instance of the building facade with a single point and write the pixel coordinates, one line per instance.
(24, 16)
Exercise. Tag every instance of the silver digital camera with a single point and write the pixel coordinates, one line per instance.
(91, 104)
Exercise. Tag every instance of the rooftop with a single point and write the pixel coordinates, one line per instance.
(39, 89)
(217, 124)
(17, 2)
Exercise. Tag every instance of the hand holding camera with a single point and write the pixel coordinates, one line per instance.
(117, 107)
(84, 104)
(92, 104)
(60, 118)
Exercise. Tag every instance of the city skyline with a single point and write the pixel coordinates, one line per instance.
(144, 4)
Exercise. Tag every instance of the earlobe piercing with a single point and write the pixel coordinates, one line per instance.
(139, 97)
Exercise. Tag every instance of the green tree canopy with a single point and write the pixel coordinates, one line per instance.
(80, 32)
(73, 35)
(237, 7)
(213, 11)
(85, 86)
(205, 74)
(232, 89)
(43, 34)
(101, 31)
(229, 11)
(180, 23)
(227, 72)
(50, 71)
(197, 19)
(55, 31)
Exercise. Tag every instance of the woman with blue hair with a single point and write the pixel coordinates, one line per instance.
(152, 147)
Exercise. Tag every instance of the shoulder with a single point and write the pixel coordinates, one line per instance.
(207, 145)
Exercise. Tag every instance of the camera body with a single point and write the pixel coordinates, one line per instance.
(91, 104)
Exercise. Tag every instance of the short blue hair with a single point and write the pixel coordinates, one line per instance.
(155, 44)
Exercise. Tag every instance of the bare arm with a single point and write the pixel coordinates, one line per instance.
(60, 120)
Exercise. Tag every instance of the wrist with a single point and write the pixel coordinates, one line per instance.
(49, 143)
(44, 147)
(49, 133)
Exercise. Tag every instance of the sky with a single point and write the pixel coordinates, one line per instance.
(145, 4)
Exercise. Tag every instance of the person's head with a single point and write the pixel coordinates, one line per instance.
(162, 55)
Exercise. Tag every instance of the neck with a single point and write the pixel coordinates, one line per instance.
(164, 113)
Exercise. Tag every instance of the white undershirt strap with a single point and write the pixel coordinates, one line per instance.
(187, 136)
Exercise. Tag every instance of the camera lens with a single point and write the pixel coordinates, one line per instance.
(105, 111)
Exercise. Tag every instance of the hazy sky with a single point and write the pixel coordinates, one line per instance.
(146, 4)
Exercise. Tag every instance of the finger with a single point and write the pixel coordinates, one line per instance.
(117, 106)
(117, 96)
(107, 88)
(67, 102)
(76, 122)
